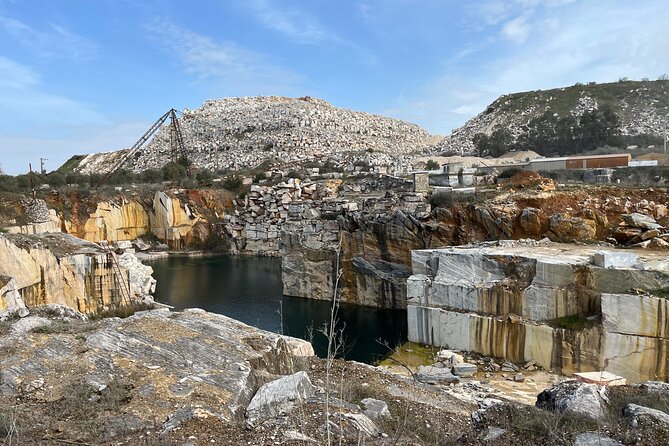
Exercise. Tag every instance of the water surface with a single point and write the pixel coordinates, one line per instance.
(249, 289)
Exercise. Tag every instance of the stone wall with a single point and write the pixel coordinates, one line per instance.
(517, 301)
(306, 224)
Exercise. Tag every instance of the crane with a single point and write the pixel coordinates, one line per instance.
(176, 144)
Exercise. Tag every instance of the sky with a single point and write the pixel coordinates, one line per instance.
(83, 76)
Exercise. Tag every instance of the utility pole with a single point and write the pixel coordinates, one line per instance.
(42, 167)
(665, 135)
(32, 180)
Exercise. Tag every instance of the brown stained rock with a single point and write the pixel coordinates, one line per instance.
(568, 228)
(530, 221)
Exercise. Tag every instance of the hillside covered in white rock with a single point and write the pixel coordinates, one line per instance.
(640, 105)
(238, 133)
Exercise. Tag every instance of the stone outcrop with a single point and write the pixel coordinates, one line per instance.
(61, 269)
(40, 218)
(10, 298)
(237, 133)
(170, 216)
(173, 220)
(550, 303)
(114, 221)
(172, 367)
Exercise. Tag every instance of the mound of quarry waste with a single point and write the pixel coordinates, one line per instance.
(236, 133)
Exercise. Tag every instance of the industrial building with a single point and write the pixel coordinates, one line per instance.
(579, 162)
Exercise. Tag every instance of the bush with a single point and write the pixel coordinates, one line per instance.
(8, 183)
(233, 183)
(56, 179)
(204, 175)
(151, 176)
(508, 173)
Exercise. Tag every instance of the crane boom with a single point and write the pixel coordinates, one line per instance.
(176, 149)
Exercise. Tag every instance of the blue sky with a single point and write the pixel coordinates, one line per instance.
(80, 76)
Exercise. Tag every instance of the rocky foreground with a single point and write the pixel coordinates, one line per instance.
(195, 378)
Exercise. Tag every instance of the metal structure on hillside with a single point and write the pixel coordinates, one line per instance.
(178, 149)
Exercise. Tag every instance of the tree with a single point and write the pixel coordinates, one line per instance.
(498, 143)
(55, 179)
(152, 176)
(431, 165)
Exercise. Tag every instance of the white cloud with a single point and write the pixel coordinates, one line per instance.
(22, 96)
(293, 22)
(52, 42)
(516, 30)
(572, 42)
(15, 75)
(234, 68)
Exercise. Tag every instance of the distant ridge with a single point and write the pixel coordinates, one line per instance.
(641, 105)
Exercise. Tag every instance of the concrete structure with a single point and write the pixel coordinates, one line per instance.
(544, 302)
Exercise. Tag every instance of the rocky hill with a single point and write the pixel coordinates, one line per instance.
(641, 105)
(237, 133)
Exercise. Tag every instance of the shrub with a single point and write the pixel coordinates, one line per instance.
(508, 173)
(233, 183)
(431, 165)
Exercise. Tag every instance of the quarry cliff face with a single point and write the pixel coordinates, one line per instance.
(568, 308)
(369, 229)
(170, 216)
(58, 268)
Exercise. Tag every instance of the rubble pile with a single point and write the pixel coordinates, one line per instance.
(309, 211)
(641, 231)
(237, 133)
(530, 180)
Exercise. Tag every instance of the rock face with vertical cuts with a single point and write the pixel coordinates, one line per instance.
(546, 302)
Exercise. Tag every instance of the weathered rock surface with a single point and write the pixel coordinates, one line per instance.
(510, 301)
(279, 397)
(179, 366)
(375, 409)
(595, 439)
(61, 269)
(575, 397)
(643, 415)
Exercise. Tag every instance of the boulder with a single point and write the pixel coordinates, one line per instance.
(530, 221)
(374, 408)
(465, 369)
(279, 397)
(637, 220)
(568, 228)
(435, 375)
(575, 397)
(449, 357)
(641, 415)
(595, 439)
